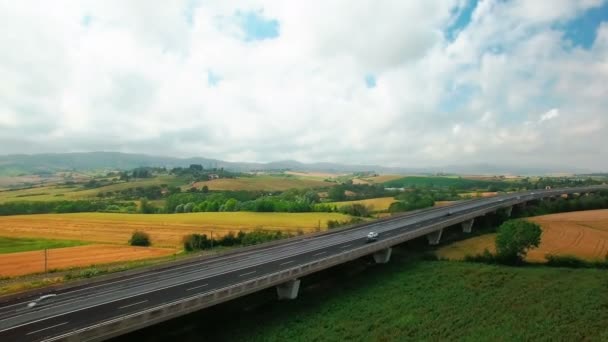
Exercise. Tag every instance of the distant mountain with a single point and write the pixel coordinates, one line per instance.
(99, 161)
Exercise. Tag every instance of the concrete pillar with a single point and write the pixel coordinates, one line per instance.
(509, 211)
(383, 256)
(434, 237)
(467, 226)
(288, 290)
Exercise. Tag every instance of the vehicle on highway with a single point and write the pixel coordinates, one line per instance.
(449, 213)
(42, 300)
(372, 236)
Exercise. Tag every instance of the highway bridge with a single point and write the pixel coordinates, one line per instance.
(108, 308)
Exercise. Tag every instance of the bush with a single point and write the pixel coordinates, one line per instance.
(514, 239)
(485, 257)
(140, 238)
(195, 242)
(336, 224)
(565, 261)
(355, 209)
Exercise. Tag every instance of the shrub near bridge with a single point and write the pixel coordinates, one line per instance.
(515, 238)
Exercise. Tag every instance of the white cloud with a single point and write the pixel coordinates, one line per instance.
(552, 114)
(133, 76)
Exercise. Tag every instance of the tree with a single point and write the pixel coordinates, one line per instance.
(140, 238)
(336, 193)
(515, 238)
(145, 207)
(188, 207)
(205, 189)
(230, 205)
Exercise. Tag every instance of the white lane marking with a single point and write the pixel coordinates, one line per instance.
(346, 246)
(319, 253)
(196, 287)
(245, 274)
(286, 262)
(52, 326)
(126, 306)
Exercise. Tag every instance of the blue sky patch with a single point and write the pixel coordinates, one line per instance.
(256, 27)
(87, 20)
(370, 81)
(582, 30)
(213, 79)
(191, 6)
(463, 18)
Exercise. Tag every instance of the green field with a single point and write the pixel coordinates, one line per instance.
(443, 182)
(409, 300)
(60, 192)
(14, 245)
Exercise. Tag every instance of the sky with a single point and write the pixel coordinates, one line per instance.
(396, 83)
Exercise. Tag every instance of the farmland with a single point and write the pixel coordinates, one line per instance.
(269, 183)
(13, 245)
(377, 179)
(583, 234)
(376, 204)
(442, 182)
(411, 300)
(73, 192)
(166, 230)
(16, 264)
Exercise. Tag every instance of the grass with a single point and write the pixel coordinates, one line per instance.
(412, 300)
(269, 183)
(14, 245)
(376, 204)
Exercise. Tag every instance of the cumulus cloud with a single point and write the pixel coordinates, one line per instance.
(189, 78)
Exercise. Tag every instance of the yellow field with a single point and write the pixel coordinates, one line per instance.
(166, 230)
(270, 183)
(16, 264)
(314, 175)
(375, 204)
(377, 179)
(583, 234)
(478, 194)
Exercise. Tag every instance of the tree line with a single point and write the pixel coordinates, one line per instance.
(38, 207)
(194, 242)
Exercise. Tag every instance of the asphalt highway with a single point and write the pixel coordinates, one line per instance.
(73, 309)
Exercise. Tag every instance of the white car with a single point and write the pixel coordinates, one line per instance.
(372, 236)
(41, 300)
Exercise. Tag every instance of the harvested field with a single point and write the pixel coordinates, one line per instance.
(166, 230)
(478, 194)
(444, 203)
(375, 204)
(381, 178)
(270, 183)
(583, 234)
(15, 264)
(314, 175)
